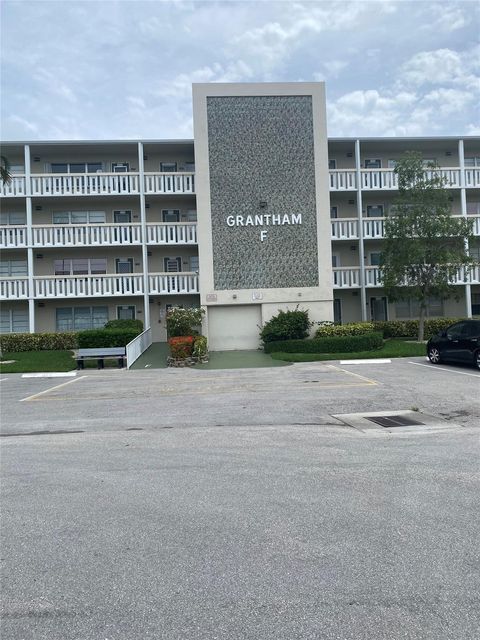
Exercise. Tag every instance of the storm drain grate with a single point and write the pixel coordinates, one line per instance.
(394, 421)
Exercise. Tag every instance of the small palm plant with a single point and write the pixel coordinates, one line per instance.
(5, 175)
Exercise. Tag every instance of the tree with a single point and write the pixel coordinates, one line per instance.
(425, 247)
(5, 170)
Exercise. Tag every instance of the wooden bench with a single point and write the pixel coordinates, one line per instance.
(100, 354)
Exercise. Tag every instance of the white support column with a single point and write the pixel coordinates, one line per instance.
(143, 220)
(361, 248)
(28, 206)
(463, 202)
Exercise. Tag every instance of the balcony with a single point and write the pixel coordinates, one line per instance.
(373, 228)
(99, 184)
(387, 179)
(101, 235)
(349, 277)
(51, 287)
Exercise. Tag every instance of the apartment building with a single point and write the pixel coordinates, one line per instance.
(260, 211)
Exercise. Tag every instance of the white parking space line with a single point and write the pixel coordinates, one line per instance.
(437, 368)
(51, 374)
(367, 361)
(41, 393)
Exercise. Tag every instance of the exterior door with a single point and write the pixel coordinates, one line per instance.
(378, 309)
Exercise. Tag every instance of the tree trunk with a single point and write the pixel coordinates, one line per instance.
(421, 323)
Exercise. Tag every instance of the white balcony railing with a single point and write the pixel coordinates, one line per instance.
(15, 187)
(387, 179)
(88, 286)
(86, 235)
(346, 278)
(163, 283)
(374, 228)
(344, 229)
(13, 288)
(84, 184)
(174, 183)
(349, 277)
(98, 235)
(12, 237)
(177, 233)
(100, 286)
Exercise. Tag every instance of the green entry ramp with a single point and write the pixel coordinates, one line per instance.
(155, 357)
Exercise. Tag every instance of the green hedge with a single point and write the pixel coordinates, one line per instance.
(409, 328)
(333, 344)
(350, 329)
(96, 338)
(286, 325)
(134, 325)
(14, 342)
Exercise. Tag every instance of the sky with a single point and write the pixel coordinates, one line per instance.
(109, 69)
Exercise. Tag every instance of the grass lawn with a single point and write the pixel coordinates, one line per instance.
(31, 361)
(393, 348)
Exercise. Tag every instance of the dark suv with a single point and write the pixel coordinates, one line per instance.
(459, 343)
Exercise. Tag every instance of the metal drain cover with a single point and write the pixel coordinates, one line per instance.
(394, 421)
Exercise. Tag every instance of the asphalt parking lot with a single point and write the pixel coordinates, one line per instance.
(185, 504)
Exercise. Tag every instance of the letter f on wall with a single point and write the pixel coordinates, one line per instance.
(263, 235)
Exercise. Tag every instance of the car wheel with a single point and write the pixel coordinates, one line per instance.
(434, 355)
(476, 359)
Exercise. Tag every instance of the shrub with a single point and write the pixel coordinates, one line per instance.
(330, 344)
(184, 322)
(200, 348)
(97, 338)
(351, 329)
(287, 325)
(181, 346)
(134, 325)
(409, 328)
(14, 342)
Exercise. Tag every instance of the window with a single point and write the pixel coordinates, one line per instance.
(124, 265)
(126, 312)
(170, 215)
(333, 213)
(122, 217)
(375, 211)
(189, 167)
(80, 266)
(472, 162)
(194, 265)
(332, 164)
(13, 218)
(13, 268)
(391, 164)
(427, 162)
(411, 308)
(191, 215)
(476, 304)
(373, 163)
(80, 318)
(375, 259)
(120, 167)
(475, 253)
(168, 167)
(335, 260)
(473, 208)
(76, 167)
(337, 311)
(13, 321)
(79, 217)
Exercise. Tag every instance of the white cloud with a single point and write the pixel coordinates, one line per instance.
(441, 66)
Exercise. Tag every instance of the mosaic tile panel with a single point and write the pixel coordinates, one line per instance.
(262, 163)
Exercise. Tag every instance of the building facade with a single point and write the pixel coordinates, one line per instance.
(260, 211)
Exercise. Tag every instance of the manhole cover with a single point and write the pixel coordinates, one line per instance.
(394, 421)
